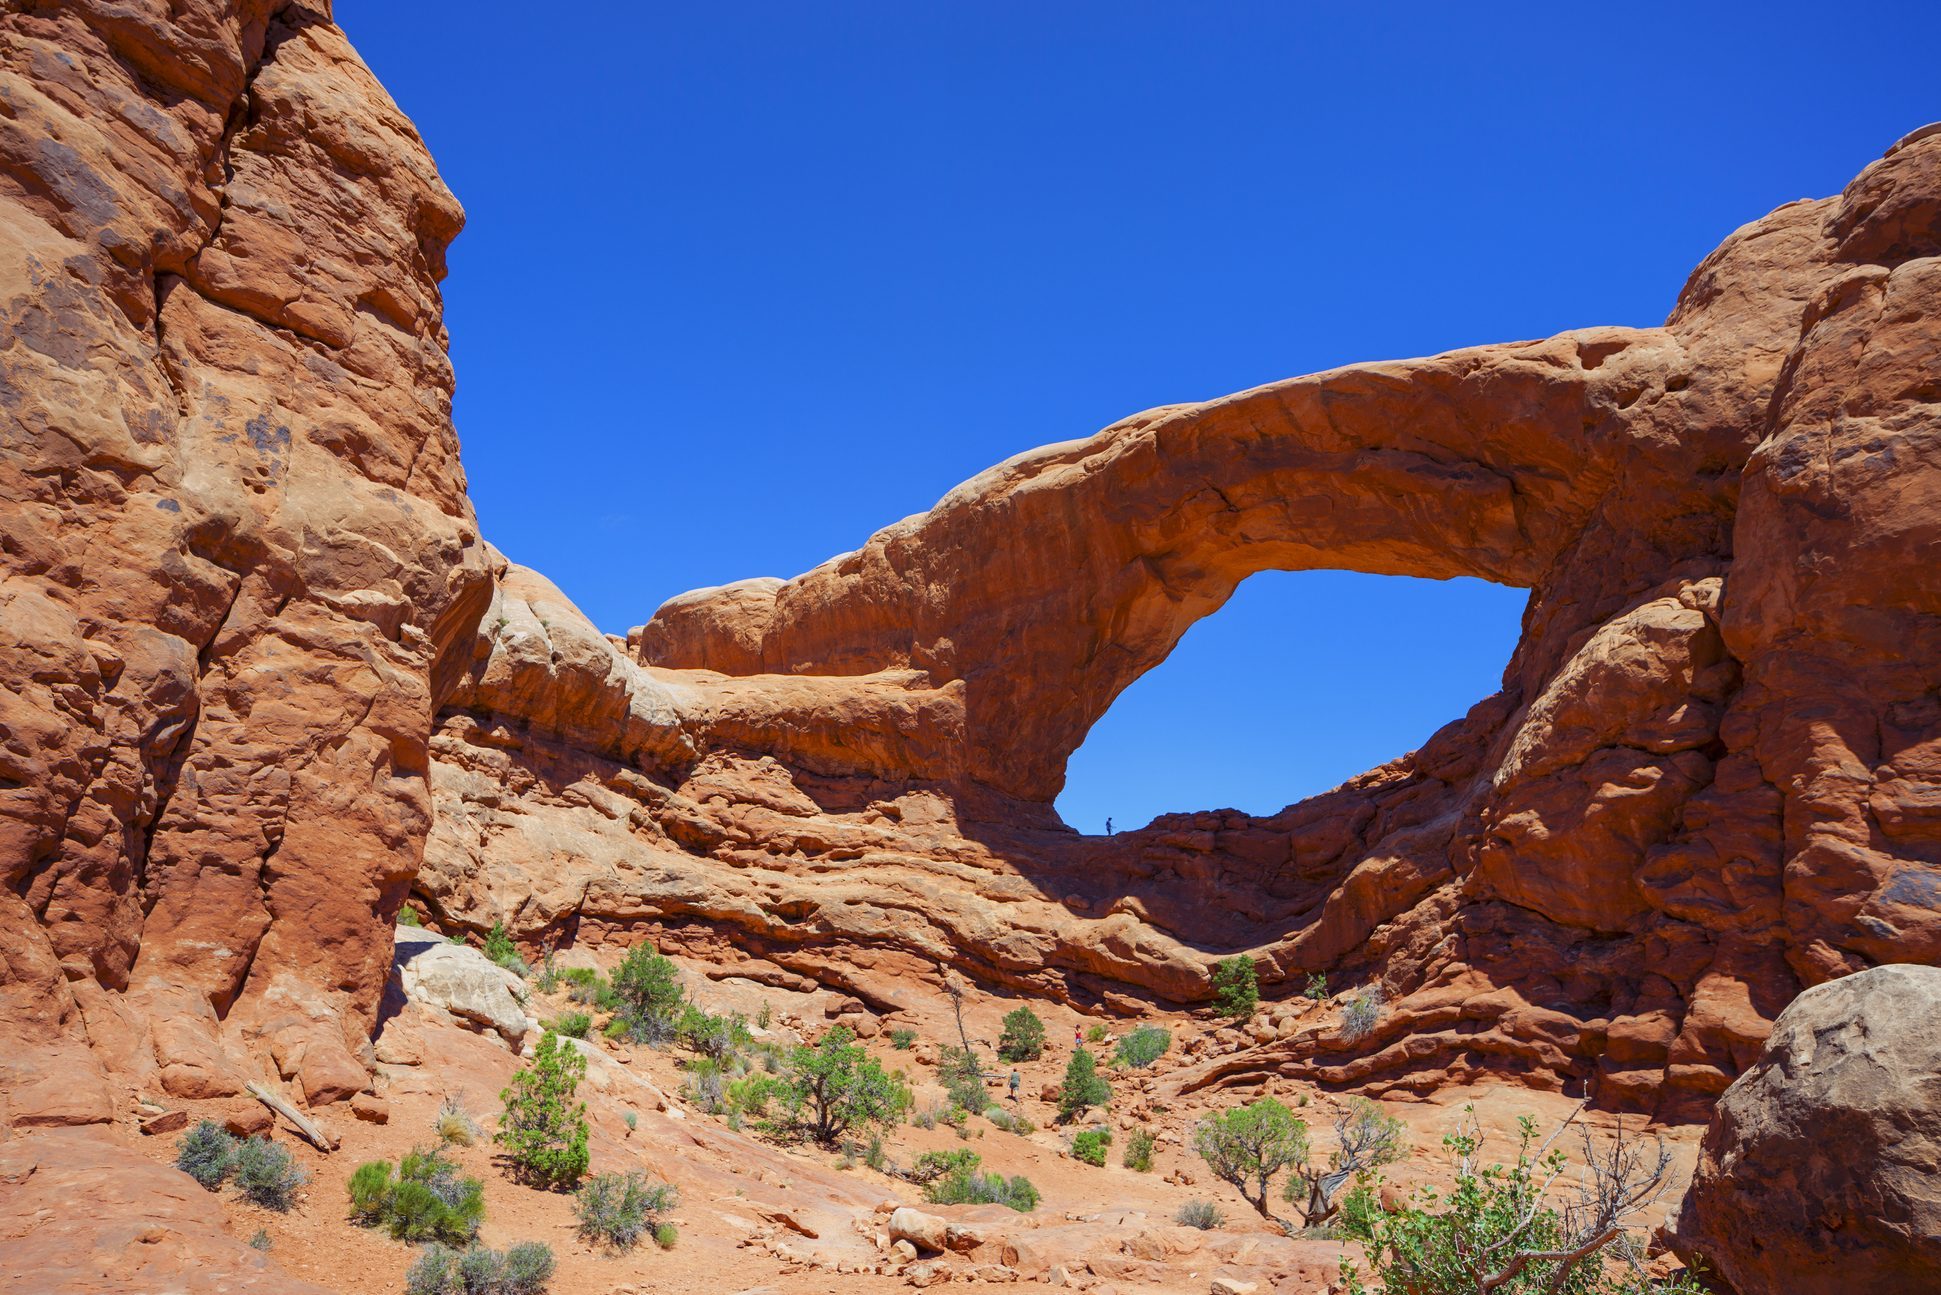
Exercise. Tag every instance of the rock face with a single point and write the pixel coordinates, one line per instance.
(259, 665)
(1821, 1170)
(236, 553)
(1712, 776)
(462, 983)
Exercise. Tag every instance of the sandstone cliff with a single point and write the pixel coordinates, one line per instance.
(263, 678)
(1709, 780)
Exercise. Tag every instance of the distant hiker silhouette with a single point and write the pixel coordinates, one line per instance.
(1108, 827)
(1016, 1079)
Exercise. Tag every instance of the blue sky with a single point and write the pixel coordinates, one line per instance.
(742, 283)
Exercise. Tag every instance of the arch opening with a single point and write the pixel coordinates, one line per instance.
(1303, 680)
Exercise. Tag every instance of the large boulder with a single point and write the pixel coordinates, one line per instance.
(1821, 1171)
(453, 978)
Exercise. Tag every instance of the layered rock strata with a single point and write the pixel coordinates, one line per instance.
(259, 665)
(1710, 779)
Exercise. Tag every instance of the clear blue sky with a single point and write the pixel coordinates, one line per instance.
(742, 283)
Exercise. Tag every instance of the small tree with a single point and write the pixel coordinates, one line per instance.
(1143, 1046)
(1367, 1139)
(648, 990)
(1250, 1144)
(836, 1087)
(1496, 1232)
(1083, 1088)
(963, 1076)
(543, 1129)
(1236, 986)
(1023, 1038)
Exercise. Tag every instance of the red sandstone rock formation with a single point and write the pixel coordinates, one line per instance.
(235, 548)
(251, 673)
(1709, 780)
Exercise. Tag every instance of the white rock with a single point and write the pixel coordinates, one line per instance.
(462, 981)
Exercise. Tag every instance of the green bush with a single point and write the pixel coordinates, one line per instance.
(963, 1078)
(1023, 1038)
(426, 1200)
(665, 1235)
(1010, 1121)
(1096, 1034)
(1090, 1146)
(648, 991)
(523, 1269)
(501, 950)
(833, 1089)
(1204, 1215)
(902, 1040)
(573, 1025)
(260, 1240)
(711, 1036)
(1361, 1210)
(1083, 1087)
(1138, 1153)
(207, 1153)
(1317, 988)
(952, 1178)
(268, 1175)
(1495, 1230)
(1236, 986)
(407, 916)
(1143, 1046)
(616, 1210)
(542, 1128)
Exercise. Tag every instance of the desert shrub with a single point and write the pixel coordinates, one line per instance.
(1366, 1139)
(903, 1039)
(207, 1153)
(268, 1175)
(408, 916)
(952, 1178)
(1204, 1215)
(615, 1029)
(1497, 1229)
(963, 1078)
(648, 989)
(1361, 1210)
(1317, 988)
(542, 1129)
(523, 1269)
(1360, 1013)
(261, 1240)
(756, 1096)
(426, 1200)
(1236, 986)
(616, 1210)
(1083, 1087)
(633, 1121)
(502, 951)
(932, 1165)
(711, 1036)
(431, 1273)
(835, 1088)
(665, 1235)
(1023, 1038)
(1090, 1146)
(455, 1125)
(1249, 1145)
(1138, 1152)
(572, 1025)
(1096, 1034)
(1010, 1121)
(1143, 1046)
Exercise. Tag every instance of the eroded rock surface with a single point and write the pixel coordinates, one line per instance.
(235, 548)
(1710, 778)
(1821, 1170)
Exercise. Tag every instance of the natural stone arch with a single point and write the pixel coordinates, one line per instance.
(1052, 581)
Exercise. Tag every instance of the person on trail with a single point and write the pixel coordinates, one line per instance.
(1078, 1038)
(1016, 1079)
